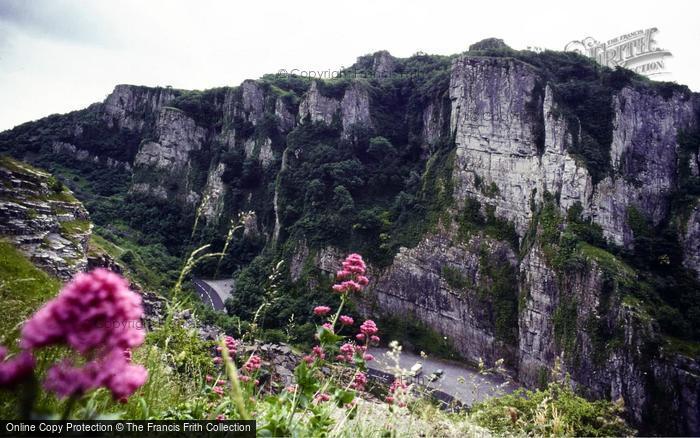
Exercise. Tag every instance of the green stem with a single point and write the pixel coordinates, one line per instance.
(340, 308)
(232, 374)
(69, 407)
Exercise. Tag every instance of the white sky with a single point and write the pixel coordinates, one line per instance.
(61, 55)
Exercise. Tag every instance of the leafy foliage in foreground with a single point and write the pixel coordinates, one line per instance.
(554, 411)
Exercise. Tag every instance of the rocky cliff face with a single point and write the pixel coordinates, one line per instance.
(43, 219)
(494, 273)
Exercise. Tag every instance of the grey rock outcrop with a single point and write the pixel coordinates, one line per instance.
(43, 219)
(127, 105)
(353, 109)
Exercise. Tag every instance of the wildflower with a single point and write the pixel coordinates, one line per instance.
(347, 349)
(244, 378)
(217, 360)
(354, 263)
(359, 381)
(374, 339)
(368, 357)
(218, 390)
(231, 345)
(16, 369)
(369, 328)
(209, 378)
(256, 382)
(253, 364)
(322, 397)
(221, 417)
(328, 326)
(352, 277)
(318, 352)
(112, 372)
(291, 388)
(309, 359)
(397, 385)
(321, 310)
(340, 358)
(360, 337)
(346, 320)
(347, 286)
(93, 312)
(389, 399)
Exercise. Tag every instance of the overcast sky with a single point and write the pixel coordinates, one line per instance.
(61, 55)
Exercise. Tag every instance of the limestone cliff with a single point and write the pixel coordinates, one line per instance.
(505, 200)
(43, 219)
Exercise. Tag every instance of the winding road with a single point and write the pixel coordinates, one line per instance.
(214, 292)
(463, 383)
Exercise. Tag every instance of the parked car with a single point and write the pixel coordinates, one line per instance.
(416, 369)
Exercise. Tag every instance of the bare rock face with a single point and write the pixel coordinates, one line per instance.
(166, 159)
(691, 241)
(644, 154)
(499, 108)
(246, 102)
(126, 106)
(353, 108)
(438, 282)
(317, 107)
(383, 64)
(43, 219)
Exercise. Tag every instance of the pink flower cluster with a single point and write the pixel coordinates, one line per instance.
(253, 364)
(369, 328)
(359, 381)
(112, 371)
(16, 369)
(100, 317)
(397, 388)
(95, 312)
(321, 310)
(352, 277)
(346, 320)
(316, 353)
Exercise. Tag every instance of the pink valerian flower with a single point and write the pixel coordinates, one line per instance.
(16, 369)
(369, 328)
(328, 326)
(318, 352)
(368, 357)
(322, 397)
(231, 345)
(221, 417)
(352, 277)
(360, 337)
(93, 312)
(347, 286)
(309, 359)
(244, 378)
(346, 320)
(113, 372)
(359, 381)
(253, 364)
(389, 400)
(321, 310)
(209, 378)
(218, 390)
(354, 263)
(374, 339)
(397, 385)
